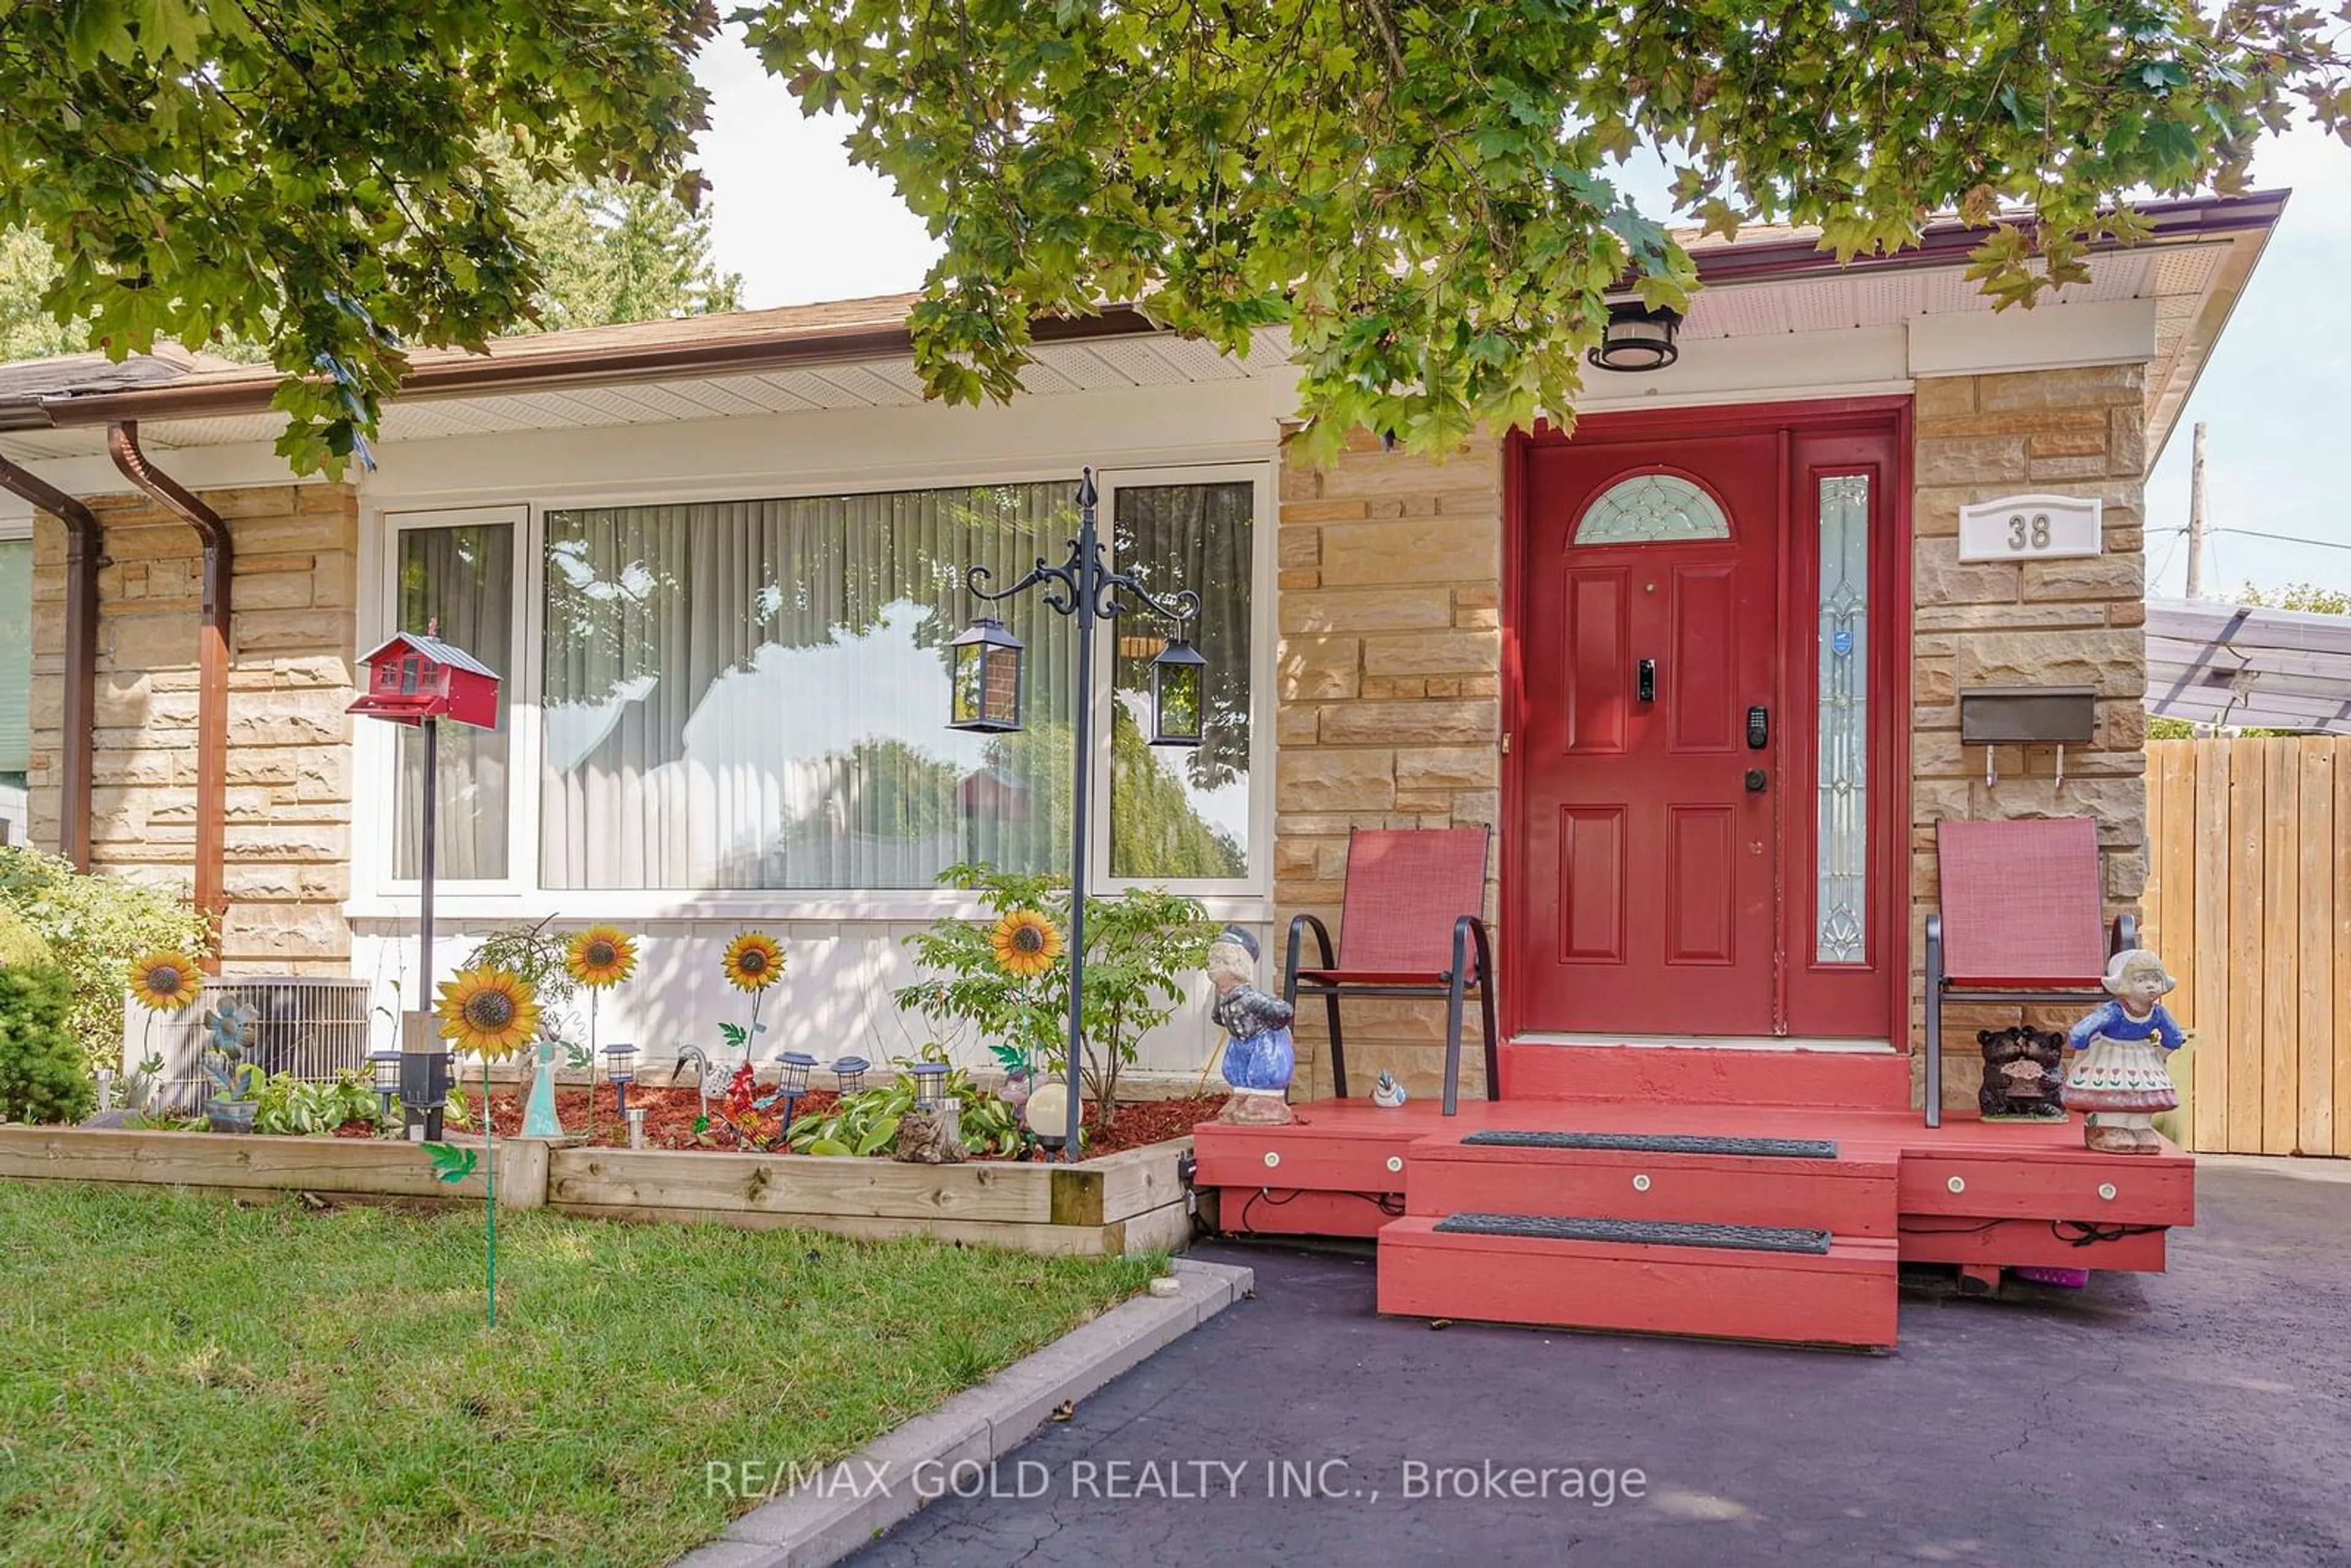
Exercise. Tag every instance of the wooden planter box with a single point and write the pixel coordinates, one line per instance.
(1131, 1201)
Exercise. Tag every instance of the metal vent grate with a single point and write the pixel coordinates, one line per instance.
(313, 1027)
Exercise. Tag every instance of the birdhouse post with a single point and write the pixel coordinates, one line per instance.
(420, 680)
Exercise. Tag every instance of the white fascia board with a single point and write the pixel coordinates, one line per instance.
(858, 448)
(2050, 338)
(1849, 362)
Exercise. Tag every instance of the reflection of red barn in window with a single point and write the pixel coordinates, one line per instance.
(417, 676)
(989, 796)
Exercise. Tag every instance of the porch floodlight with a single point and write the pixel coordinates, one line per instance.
(1638, 338)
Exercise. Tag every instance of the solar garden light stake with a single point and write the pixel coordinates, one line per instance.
(792, 1070)
(383, 1077)
(986, 681)
(621, 1067)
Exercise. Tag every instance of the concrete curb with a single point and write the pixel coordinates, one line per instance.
(884, 1482)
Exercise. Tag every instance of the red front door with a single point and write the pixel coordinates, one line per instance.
(1649, 845)
(1704, 752)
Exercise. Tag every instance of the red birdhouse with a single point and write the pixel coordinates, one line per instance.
(417, 676)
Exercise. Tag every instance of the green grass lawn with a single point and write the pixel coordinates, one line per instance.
(186, 1380)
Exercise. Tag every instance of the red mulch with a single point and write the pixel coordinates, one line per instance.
(670, 1114)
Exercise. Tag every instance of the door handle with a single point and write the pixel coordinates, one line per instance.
(1645, 681)
(1755, 780)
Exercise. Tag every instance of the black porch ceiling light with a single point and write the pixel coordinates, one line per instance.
(1638, 338)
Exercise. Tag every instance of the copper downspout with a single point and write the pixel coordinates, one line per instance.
(85, 541)
(212, 662)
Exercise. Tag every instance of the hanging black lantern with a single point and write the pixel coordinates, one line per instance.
(985, 679)
(1638, 338)
(1179, 690)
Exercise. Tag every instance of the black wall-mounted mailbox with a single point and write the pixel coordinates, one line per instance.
(2028, 715)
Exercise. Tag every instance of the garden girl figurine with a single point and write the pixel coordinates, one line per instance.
(1258, 1054)
(2118, 1074)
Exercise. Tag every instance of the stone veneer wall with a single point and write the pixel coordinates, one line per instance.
(289, 810)
(1389, 705)
(2059, 622)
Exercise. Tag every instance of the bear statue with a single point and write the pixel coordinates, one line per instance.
(2022, 1069)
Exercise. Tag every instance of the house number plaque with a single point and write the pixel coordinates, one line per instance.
(2029, 527)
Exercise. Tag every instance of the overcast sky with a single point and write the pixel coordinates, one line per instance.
(800, 223)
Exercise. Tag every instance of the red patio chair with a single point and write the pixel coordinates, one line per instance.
(2019, 923)
(1411, 926)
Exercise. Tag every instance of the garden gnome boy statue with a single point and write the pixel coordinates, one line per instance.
(2118, 1074)
(1259, 1057)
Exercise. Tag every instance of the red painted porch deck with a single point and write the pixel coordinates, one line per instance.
(1969, 1192)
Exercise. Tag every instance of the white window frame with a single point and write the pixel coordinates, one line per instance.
(518, 896)
(375, 754)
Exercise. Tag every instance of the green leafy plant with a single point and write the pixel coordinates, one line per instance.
(44, 1076)
(866, 1123)
(93, 926)
(291, 1106)
(1139, 945)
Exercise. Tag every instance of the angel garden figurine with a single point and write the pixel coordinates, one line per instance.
(2118, 1075)
(1259, 1056)
(539, 1117)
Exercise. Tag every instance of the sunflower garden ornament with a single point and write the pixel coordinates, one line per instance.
(166, 981)
(492, 1013)
(1024, 943)
(1025, 946)
(599, 959)
(753, 962)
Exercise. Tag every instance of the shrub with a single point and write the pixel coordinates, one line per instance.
(1139, 946)
(94, 925)
(44, 1075)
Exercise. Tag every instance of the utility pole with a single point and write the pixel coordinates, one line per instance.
(2196, 518)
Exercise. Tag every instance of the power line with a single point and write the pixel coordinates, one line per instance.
(2284, 538)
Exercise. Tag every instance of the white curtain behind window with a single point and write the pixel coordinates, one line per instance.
(753, 695)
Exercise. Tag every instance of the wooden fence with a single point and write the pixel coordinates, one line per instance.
(2249, 901)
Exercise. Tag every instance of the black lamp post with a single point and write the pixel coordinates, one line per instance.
(987, 682)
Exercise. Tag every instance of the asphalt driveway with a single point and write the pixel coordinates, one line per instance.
(2202, 1416)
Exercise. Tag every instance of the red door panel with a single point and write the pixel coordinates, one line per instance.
(1591, 884)
(1649, 896)
(1702, 892)
(1592, 685)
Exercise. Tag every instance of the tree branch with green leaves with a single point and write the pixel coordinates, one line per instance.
(1426, 195)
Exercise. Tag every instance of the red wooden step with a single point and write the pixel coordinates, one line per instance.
(1846, 1195)
(1846, 1296)
(1707, 1075)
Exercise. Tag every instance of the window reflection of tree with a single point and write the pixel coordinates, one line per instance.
(648, 608)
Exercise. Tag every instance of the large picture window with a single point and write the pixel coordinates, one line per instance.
(752, 694)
